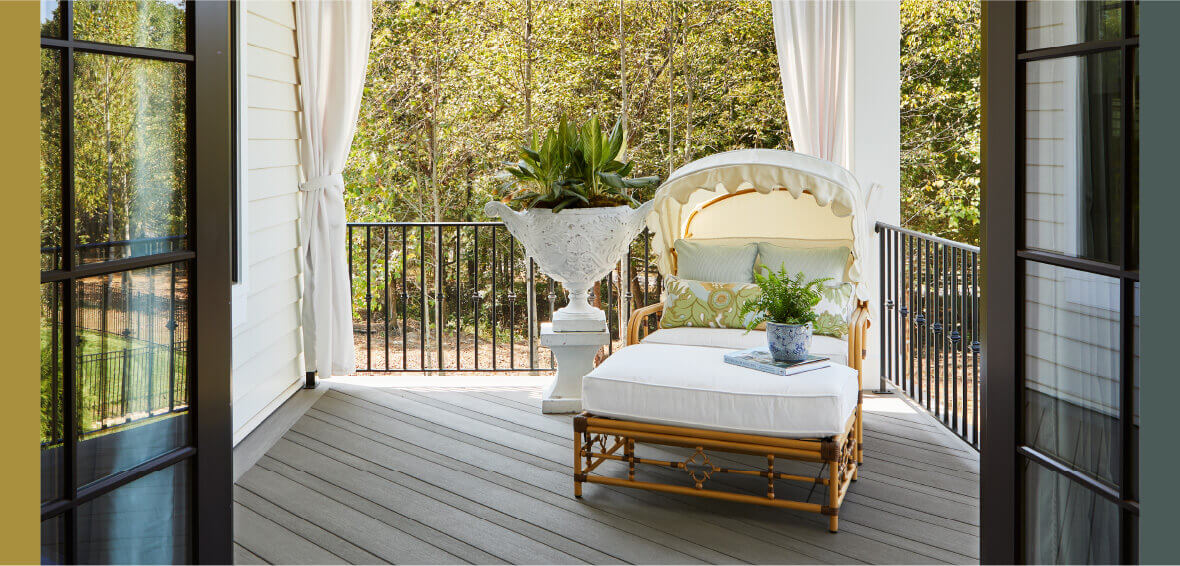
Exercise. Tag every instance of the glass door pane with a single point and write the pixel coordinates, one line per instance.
(131, 371)
(1053, 23)
(144, 522)
(1073, 162)
(130, 157)
(52, 392)
(140, 23)
(51, 159)
(1072, 363)
(1065, 522)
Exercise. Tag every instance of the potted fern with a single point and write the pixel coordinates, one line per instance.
(569, 201)
(787, 306)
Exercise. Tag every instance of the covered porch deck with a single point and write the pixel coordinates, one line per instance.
(441, 469)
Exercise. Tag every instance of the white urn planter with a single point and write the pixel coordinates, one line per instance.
(577, 248)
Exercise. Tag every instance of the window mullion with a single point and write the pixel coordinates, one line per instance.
(69, 365)
(1128, 548)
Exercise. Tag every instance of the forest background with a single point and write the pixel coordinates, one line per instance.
(455, 86)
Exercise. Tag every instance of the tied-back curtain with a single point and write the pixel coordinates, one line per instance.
(814, 44)
(332, 38)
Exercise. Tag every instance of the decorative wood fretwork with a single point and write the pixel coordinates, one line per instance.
(598, 440)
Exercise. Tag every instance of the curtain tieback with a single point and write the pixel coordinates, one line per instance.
(323, 182)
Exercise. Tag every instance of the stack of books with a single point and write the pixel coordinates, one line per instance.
(760, 359)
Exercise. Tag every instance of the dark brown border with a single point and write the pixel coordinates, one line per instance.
(212, 224)
(998, 485)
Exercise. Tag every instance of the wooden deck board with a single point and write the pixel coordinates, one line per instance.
(479, 475)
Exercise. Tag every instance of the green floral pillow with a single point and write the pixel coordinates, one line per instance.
(834, 310)
(705, 304)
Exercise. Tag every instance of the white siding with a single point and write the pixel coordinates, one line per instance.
(268, 342)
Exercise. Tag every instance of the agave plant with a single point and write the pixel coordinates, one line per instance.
(572, 167)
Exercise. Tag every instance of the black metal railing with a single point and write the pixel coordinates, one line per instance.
(462, 296)
(930, 338)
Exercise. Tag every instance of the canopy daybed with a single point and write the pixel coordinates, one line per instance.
(760, 196)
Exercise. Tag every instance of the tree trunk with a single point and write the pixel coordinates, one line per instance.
(528, 68)
(671, 84)
(623, 84)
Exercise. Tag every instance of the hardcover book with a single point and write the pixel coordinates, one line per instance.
(760, 359)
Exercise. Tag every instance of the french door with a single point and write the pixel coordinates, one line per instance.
(1061, 262)
(135, 138)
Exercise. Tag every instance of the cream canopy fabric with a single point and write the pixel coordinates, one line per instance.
(830, 212)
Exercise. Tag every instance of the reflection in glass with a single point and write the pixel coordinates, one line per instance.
(53, 539)
(130, 159)
(141, 23)
(143, 522)
(1133, 161)
(1065, 522)
(131, 372)
(1074, 156)
(1133, 481)
(51, 222)
(1051, 23)
(1072, 337)
(52, 399)
(51, 18)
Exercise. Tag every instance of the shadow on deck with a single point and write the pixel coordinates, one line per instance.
(400, 471)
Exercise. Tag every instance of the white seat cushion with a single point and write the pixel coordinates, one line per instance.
(692, 386)
(738, 339)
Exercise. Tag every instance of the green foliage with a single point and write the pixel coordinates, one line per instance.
(130, 128)
(940, 164)
(455, 85)
(573, 168)
(784, 299)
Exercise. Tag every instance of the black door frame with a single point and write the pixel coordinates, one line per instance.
(209, 119)
(212, 225)
(998, 527)
(1003, 258)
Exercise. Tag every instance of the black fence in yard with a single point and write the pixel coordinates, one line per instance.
(462, 296)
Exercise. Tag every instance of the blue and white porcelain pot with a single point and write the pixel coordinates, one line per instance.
(788, 342)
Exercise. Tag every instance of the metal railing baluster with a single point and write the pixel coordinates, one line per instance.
(930, 345)
(369, 297)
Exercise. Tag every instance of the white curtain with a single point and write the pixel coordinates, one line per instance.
(333, 42)
(814, 44)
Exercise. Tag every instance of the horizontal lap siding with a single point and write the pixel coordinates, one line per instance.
(268, 346)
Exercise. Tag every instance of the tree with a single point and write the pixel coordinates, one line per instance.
(455, 86)
(940, 70)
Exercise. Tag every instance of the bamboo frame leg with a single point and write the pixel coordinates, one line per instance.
(834, 494)
(577, 464)
(629, 452)
(770, 476)
(859, 449)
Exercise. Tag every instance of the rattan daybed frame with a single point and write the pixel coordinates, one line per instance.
(600, 439)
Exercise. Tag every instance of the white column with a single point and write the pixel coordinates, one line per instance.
(876, 135)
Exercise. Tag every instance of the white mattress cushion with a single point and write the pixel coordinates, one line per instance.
(738, 339)
(692, 386)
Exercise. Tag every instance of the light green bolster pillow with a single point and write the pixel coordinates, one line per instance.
(705, 304)
(724, 263)
(815, 263)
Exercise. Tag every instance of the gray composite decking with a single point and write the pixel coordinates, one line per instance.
(479, 475)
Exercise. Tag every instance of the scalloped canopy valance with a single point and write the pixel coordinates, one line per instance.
(827, 205)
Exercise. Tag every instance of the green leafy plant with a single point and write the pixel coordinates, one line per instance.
(572, 167)
(784, 299)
